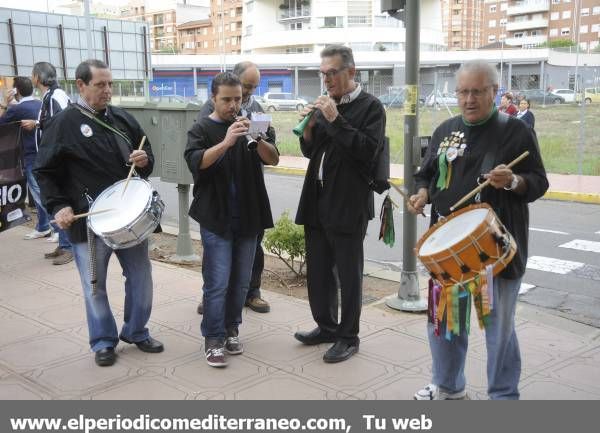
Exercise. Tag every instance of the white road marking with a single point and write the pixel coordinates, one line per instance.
(582, 245)
(555, 266)
(556, 232)
(525, 288)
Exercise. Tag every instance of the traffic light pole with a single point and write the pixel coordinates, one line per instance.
(409, 293)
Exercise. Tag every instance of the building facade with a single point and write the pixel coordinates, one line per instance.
(533, 23)
(163, 17)
(306, 26)
(461, 23)
(220, 33)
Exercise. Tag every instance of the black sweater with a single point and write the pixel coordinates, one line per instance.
(506, 140)
(211, 206)
(70, 165)
(351, 143)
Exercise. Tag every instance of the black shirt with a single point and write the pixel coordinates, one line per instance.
(234, 184)
(506, 139)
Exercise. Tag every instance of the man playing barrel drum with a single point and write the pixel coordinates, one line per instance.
(477, 145)
(85, 149)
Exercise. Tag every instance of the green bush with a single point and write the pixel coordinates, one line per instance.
(286, 241)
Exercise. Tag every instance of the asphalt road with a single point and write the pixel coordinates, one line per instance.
(563, 272)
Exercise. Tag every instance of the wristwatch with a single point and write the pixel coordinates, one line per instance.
(513, 184)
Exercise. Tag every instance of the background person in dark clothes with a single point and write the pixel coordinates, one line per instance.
(525, 113)
(231, 204)
(54, 100)
(342, 140)
(249, 76)
(482, 132)
(28, 108)
(84, 150)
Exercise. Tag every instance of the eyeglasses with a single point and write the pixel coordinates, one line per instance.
(330, 73)
(476, 93)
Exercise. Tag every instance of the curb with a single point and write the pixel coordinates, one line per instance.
(579, 197)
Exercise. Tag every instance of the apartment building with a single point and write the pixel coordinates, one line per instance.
(461, 23)
(163, 17)
(306, 26)
(221, 32)
(534, 23)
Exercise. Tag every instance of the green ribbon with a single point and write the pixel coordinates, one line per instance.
(443, 169)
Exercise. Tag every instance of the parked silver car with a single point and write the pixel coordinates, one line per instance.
(275, 101)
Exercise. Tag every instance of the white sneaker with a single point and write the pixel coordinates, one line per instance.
(36, 235)
(53, 238)
(433, 392)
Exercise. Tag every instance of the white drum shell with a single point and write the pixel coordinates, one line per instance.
(133, 216)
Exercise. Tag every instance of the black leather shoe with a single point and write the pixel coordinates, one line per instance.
(149, 345)
(200, 309)
(316, 336)
(340, 351)
(105, 357)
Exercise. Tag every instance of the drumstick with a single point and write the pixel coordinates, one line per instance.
(83, 215)
(132, 167)
(404, 195)
(487, 182)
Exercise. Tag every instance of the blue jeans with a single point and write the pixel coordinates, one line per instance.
(43, 222)
(63, 239)
(137, 271)
(226, 270)
(503, 355)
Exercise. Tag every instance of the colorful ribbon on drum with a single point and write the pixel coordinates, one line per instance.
(444, 302)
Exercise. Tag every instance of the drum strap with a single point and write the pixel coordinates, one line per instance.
(125, 148)
(490, 157)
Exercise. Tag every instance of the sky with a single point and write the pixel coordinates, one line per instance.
(46, 5)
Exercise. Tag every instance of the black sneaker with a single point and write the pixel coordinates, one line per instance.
(233, 346)
(215, 354)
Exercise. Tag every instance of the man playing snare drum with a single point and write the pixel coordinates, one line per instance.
(481, 141)
(84, 150)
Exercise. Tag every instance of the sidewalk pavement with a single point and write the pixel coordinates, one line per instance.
(44, 352)
(567, 187)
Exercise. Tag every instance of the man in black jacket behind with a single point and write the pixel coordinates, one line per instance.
(85, 149)
(342, 140)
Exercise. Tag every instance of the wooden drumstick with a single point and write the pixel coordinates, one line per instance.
(404, 195)
(132, 167)
(487, 182)
(83, 215)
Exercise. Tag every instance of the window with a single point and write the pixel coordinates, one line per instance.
(205, 44)
(518, 35)
(232, 27)
(503, 6)
(555, 2)
(296, 26)
(503, 21)
(492, 23)
(249, 30)
(566, 15)
(596, 10)
(232, 13)
(595, 28)
(492, 9)
(250, 6)
(583, 29)
(565, 31)
(585, 12)
(358, 21)
(491, 38)
(553, 32)
(555, 16)
(332, 22)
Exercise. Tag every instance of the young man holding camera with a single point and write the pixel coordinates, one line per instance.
(232, 207)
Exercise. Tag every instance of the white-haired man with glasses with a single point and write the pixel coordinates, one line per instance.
(478, 143)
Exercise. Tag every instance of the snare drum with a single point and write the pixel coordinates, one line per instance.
(460, 246)
(133, 216)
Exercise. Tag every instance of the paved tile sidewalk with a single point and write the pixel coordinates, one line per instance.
(44, 352)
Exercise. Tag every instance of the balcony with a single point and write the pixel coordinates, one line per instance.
(528, 41)
(293, 14)
(527, 7)
(527, 24)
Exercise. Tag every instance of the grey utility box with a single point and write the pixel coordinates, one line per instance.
(166, 126)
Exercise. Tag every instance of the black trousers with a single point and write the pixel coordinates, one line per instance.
(328, 251)
(257, 269)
